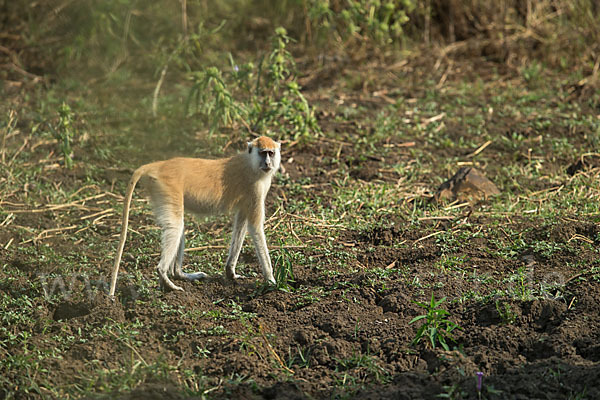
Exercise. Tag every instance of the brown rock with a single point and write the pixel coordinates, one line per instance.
(468, 184)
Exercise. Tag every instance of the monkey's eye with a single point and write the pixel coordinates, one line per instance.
(269, 153)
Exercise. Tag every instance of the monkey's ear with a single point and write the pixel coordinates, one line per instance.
(249, 147)
(278, 145)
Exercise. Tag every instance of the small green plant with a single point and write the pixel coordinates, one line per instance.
(133, 373)
(284, 275)
(300, 358)
(578, 395)
(436, 326)
(363, 367)
(201, 352)
(452, 392)
(532, 72)
(284, 272)
(521, 283)
(65, 132)
(248, 339)
(506, 313)
(7, 128)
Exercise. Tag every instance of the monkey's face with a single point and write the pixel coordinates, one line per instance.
(265, 154)
(268, 159)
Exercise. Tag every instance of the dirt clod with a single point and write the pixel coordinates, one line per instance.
(468, 184)
(584, 163)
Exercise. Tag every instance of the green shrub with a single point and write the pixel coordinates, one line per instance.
(257, 97)
(377, 21)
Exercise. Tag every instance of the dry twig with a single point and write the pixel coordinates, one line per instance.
(272, 350)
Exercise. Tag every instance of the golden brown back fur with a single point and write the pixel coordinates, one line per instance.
(216, 189)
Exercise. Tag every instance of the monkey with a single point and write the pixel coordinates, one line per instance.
(237, 185)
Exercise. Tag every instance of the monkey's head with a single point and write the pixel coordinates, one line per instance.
(265, 154)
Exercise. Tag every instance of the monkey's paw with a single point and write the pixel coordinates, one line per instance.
(195, 276)
(168, 285)
(232, 277)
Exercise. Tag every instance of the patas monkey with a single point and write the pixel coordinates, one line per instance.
(238, 184)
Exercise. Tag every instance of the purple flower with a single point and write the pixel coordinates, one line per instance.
(236, 68)
(479, 380)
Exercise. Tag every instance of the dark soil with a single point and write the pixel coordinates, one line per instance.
(547, 347)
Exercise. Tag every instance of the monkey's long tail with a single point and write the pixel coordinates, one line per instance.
(126, 205)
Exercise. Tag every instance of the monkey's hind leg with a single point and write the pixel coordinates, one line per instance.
(170, 245)
(176, 267)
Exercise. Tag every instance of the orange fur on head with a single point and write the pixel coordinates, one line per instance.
(265, 143)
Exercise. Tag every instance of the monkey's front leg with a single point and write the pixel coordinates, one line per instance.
(262, 252)
(237, 239)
